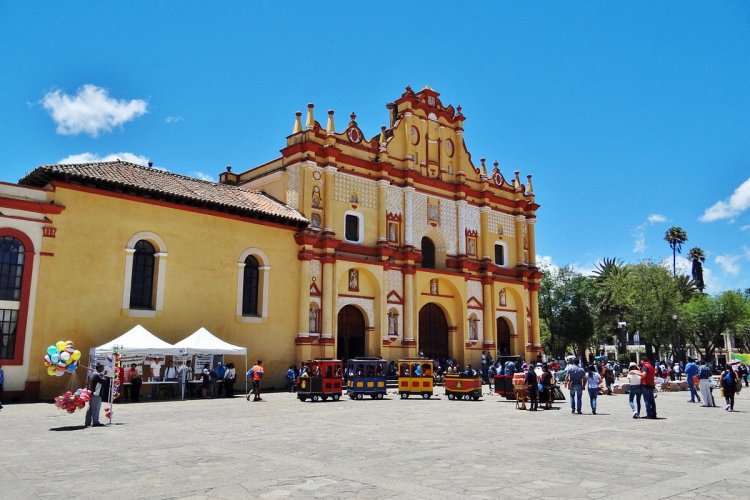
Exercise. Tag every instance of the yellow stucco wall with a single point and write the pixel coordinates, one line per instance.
(81, 286)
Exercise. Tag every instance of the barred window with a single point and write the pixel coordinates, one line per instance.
(8, 327)
(142, 281)
(11, 268)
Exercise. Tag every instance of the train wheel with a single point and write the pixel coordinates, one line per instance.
(360, 396)
(314, 399)
(425, 395)
(302, 398)
(380, 395)
(336, 397)
(404, 395)
(429, 395)
(451, 396)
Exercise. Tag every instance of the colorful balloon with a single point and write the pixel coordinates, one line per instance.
(60, 345)
(76, 355)
(51, 350)
(65, 356)
(51, 370)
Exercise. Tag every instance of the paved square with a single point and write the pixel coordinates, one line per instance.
(393, 448)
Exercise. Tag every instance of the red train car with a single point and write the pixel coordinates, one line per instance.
(320, 379)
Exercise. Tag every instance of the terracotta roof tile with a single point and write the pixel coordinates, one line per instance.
(160, 184)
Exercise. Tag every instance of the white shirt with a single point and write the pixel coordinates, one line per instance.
(170, 372)
(594, 380)
(634, 379)
(155, 370)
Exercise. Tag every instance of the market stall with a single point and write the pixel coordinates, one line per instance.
(204, 342)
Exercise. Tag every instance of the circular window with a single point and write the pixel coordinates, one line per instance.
(414, 135)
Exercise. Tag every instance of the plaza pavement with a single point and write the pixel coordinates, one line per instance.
(394, 448)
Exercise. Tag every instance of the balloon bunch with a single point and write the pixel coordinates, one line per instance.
(72, 401)
(108, 412)
(118, 374)
(61, 357)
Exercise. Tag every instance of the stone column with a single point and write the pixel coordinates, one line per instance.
(409, 303)
(329, 186)
(383, 210)
(304, 298)
(328, 294)
(488, 310)
(530, 223)
(484, 232)
(408, 216)
(534, 308)
(520, 231)
(461, 206)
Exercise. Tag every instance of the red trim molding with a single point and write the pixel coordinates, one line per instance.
(23, 312)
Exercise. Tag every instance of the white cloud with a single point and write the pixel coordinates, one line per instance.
(639, 245)
(90, 111)
(173, 119)
(746, 227)
(204, 177)
(94, 158)
(729, 263)
(654, 218)
(730, 208)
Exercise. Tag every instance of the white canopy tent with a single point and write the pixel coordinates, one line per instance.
(138, 340)
(204, 342)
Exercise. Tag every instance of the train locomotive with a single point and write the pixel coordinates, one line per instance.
(320, 379)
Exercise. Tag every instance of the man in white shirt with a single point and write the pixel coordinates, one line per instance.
(155, 376)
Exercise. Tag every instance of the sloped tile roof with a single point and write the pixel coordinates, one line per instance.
(159, 184)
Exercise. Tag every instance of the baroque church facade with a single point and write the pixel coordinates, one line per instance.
(396, 246)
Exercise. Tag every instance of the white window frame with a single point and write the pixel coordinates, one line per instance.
(160, 262)
(505, 254)
(264, 277)
(361, 231)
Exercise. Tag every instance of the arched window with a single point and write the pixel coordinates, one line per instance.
(11, 274)
(250, 282)
(428, 253)
(11, 268)
(253, 277)
(142, 278)
(145, 274)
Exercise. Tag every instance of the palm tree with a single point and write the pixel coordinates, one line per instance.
(675, 236)
(698, 257)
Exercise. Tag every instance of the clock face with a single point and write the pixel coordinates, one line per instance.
(449, 147)
(414, 135)
(354, 135)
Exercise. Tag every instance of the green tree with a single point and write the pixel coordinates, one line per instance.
(704, 319)
(697, 257)
(675, 236)
(565, 310)
(610, 287)
(653, 297)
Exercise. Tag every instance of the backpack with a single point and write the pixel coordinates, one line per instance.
(249, 374)
(728, 378)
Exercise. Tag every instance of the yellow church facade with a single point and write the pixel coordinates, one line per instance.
(396, 246)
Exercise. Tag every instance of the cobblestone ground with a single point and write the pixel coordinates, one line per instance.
(280, 447)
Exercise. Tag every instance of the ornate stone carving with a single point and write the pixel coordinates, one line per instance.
(502, 223)
(367, 305)
(292, 191)
(365, 190)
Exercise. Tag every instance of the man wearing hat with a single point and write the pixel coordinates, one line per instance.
(99, 386)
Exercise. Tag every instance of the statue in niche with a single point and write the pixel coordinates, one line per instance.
(434, 287)
(392, 323)
(502, 297)
(315, 220)
(316, 197)
(392, 236)
(353, 280)
(473, 329)
(313, 319)
(471, 247)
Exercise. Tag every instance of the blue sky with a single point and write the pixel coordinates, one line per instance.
(632, 116)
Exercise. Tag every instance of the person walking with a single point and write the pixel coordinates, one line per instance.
(704, 382)
(648, 386)
(574, 379)
(691, 371)
(634, 393)
(532, 387)
(2, 381)
(257, 375)
(729, 384)
(290, 378)
(593, 383)
(99, 386)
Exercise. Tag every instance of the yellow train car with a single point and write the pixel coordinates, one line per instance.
(415, 376)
